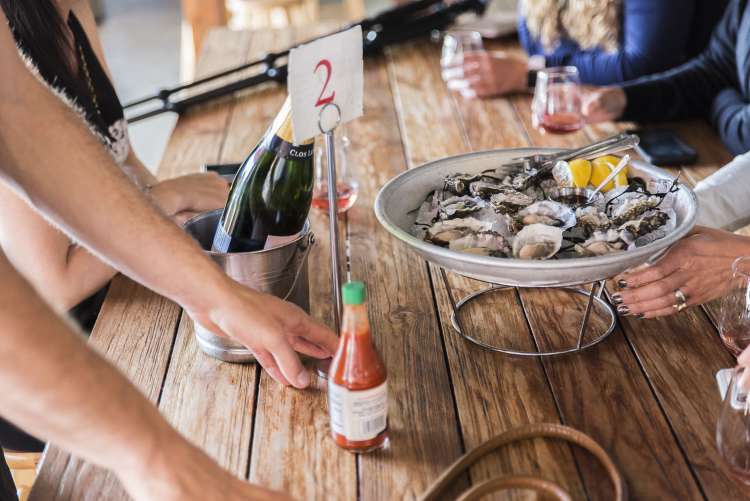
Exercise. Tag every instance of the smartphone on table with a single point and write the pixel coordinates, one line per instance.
(663, 147)
(227, 171)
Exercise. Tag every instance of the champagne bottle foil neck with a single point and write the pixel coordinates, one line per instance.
(282, 125)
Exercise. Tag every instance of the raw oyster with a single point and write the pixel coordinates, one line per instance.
(646, 224)
(509, 200)
(459, 207)
(592, 219)
(443, 232)
(459, 183)
(537, 241)
(601, 243)
(484, 189)
(487, 243)
(632, 207)
(548, 213)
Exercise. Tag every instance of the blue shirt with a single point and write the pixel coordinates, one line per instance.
(655, 35)
(714, 85)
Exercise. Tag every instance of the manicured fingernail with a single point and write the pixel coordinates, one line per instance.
(622, 284)
(623, 310)
(617, 298)
(640, 315)
(303, 379)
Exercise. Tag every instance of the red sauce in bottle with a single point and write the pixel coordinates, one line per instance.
(357, 382)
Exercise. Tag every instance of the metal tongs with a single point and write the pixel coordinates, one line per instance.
(540, 162)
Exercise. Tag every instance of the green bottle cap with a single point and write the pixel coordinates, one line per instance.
(353, 293)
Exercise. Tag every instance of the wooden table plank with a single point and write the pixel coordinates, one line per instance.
(681, 369)
(575, 376)
(135, 331)
(292, 425)
(422, 417)
(488, 401)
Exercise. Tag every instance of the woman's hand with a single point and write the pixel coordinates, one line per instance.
(181, 198)
(603, 104)
(485, 74)
(700, 265)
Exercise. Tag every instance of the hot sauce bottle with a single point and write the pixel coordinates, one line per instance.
(357, 387)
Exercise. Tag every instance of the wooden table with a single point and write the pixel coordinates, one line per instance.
(647, 394)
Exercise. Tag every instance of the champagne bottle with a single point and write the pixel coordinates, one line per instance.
(271, 194)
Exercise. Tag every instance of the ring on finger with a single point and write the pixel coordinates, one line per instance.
(680, 296)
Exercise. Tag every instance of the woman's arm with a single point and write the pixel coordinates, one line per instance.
(62, 272)
(654, 37)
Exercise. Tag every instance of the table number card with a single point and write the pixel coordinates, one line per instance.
(328, 70)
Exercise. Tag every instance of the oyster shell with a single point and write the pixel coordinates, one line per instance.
(484, 189)
(459, 183)
(601, 243)
(548, 213)
(646, 224)
(509, 200)
(486, 243)
(632, 207)
(459, 207)
(537, 241)
(592, 219)
(443, 232)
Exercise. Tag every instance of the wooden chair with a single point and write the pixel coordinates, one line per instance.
(23, 467)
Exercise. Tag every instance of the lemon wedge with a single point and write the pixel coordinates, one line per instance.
(602, 167)
(573, 174)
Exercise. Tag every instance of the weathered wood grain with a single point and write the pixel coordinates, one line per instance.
(291, 427)
(488, 400)
(135, 331)
(575, 380)
(680, 355)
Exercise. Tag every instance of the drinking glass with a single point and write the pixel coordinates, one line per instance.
(734, 317)
(556, 106)
(348, 188)
(456, 43)
(733, 427)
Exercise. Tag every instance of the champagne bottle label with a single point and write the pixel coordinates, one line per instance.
(289, 151)
(279, 240)
(358, 414)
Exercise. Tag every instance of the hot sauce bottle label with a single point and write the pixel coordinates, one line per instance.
(358, 414)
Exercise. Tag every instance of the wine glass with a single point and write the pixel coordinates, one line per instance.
(733, 427)
(734, 317)
(556, 106)
(348, 188)
(456, 43)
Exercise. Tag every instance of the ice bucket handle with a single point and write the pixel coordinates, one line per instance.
(301, 263)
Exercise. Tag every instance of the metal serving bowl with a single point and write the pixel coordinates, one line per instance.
(397, 201)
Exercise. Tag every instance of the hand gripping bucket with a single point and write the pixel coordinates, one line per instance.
(280, 271)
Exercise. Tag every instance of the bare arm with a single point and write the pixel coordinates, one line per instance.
(52, 159)
(86, 406)
(63, 273)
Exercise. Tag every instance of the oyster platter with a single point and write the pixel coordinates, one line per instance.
(534, 218)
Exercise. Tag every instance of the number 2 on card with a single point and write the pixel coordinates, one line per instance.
(326, 65)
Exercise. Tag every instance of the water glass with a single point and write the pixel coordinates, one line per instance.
(734, 316)
(455, 44)
(348, 188)
(733, 427)
(556, 106)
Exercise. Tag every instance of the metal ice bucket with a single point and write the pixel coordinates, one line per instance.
(280, 271)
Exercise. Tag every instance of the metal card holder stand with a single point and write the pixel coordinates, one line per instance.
(333, 226)
(593, 295)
